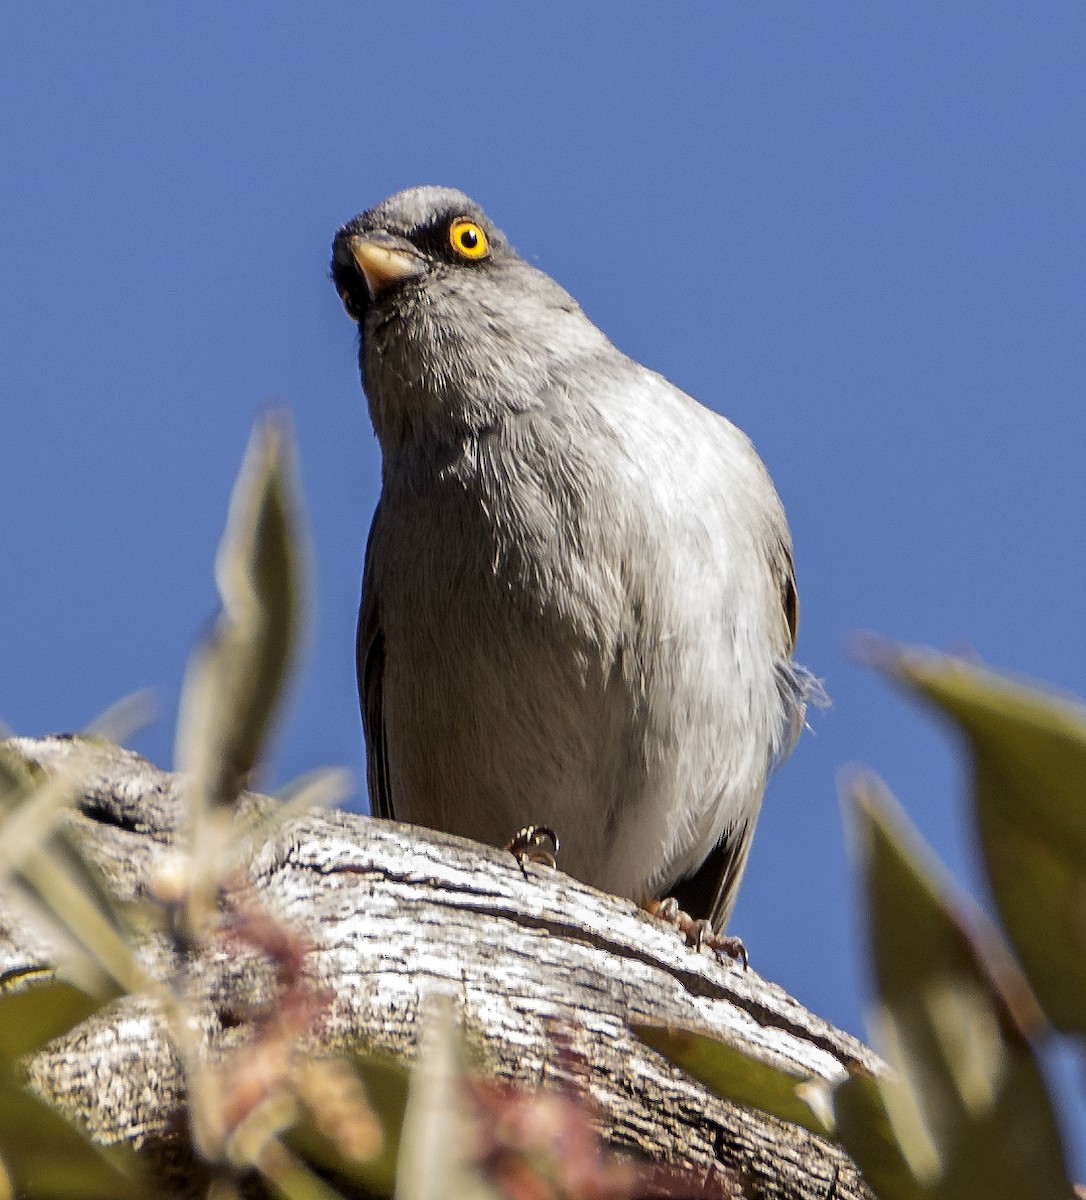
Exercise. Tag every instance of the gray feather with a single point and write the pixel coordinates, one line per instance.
(579, 604)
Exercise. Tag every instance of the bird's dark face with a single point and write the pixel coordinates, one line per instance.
(384, 257)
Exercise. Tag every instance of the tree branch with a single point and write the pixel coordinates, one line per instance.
(547, 977)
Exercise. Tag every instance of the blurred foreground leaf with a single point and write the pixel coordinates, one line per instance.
(1029, 790)
(972, 1117)
(850, 1111)
(337, 1137)
(235, 678)
(43, 1154)
(322, 788)
(55, 877)
(865, 1130)
(36, 1014)
(435, 1138)
(735, 1075)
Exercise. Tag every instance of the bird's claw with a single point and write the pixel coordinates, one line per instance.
(698, 933)
(535, 844)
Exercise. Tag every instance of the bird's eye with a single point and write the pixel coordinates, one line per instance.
(469, 239)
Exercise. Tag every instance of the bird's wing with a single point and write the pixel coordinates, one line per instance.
(711, 890)
(796, 686)
(789, 595)
(371, 669)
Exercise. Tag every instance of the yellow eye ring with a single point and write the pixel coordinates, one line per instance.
(469, 239)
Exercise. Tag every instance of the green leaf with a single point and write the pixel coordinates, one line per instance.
(50, 869)
(731, 1072)
(290, 1177)
(40, 1150)
(386, 1087)
(100, 953)
(865, 1130)
(1029, 794)
(851, 1111)
(437, 1133)
(972, 1117)
(46, 1156)
(235, 678)
(38, 1013)
(321, 788)
(34, 804)
(17, 777)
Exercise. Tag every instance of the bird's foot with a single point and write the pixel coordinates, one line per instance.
(535, 844)
(697, 933)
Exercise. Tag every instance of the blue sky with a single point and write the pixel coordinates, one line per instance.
(857, 230)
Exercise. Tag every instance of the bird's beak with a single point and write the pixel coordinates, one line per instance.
(385, 260)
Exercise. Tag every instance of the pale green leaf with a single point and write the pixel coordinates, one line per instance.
(386, 1086)
(972, 1117)
(46, 1156)
(50, 869)
(436, 1134)
(290, 1177)
(733, 1073)
(235, 678)
(865, 1130)
(1028, 753)
(39, 1012)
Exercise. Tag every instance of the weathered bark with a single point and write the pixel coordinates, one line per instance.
(546, 975)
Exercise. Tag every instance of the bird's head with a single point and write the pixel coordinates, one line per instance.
(410, 243)
(455, 327)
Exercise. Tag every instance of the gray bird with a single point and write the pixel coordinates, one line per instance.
(578, 605)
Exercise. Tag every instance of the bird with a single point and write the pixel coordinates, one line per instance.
(579, 604)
